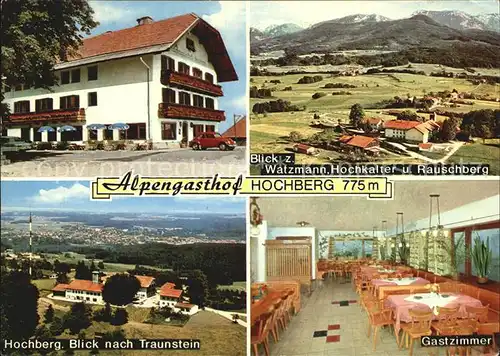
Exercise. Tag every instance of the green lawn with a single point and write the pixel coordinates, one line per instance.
(478, 152)
(44, 284)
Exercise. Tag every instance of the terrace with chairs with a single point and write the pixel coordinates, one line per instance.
(322, 288)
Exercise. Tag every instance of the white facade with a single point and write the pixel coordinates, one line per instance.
(84, 296)
(122, 97)
(168, 302)
(413, 135)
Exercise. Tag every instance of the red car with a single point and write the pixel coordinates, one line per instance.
(211, 140)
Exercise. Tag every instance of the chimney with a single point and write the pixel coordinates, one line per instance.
(95, 277)
(145, 20)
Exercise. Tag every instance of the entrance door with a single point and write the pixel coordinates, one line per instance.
(185, 128)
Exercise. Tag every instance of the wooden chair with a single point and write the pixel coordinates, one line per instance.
(420, 325)
(378, 316)
(289, 306)
(479, 314)
(282, 318)
(260, 333)
(489, 329)
(447, 320)
(274, 320)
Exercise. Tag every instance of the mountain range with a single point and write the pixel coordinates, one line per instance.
(424, 29)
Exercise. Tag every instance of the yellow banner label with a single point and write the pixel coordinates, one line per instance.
(135, 185)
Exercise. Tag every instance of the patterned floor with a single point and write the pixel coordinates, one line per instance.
(332, 323)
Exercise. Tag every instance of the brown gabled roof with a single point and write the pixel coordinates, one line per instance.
(85, 285)
(345, 138)
(361, 141)
(238, 130)
(61, 287)
(185, 305)
(159, 33)
(401, 124)
(373, 121)
(145, 281)
(168, 290)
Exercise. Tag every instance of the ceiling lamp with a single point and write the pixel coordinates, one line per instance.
(302, 223)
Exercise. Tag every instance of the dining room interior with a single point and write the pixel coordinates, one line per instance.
(358, 276)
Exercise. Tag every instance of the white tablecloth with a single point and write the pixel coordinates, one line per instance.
(432, 300)
(400, 282)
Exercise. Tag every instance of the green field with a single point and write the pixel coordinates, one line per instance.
(269, 131)
(488, 153)
(237, 286)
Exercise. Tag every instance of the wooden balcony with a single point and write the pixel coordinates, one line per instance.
(64, 115)
(178, 111)
(189, 82)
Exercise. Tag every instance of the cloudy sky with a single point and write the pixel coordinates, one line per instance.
(266, 13)
(226, 16)
(75, 196)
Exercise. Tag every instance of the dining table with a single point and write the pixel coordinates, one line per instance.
(401, 305)
(382, 286)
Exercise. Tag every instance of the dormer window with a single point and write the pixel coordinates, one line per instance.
(190, 45)
(197, 73)
(209, 78)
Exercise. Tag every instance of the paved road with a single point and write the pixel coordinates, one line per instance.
(174, 162)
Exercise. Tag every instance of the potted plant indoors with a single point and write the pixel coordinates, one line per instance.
(457, 253)
(482, 256)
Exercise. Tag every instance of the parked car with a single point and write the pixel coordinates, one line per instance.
(14, 144)
(212, 140)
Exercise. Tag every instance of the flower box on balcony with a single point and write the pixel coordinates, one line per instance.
(178, 111)
(182, 80)
(77, 114)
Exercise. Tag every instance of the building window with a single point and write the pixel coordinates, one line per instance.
(209, 78)
(168, 131)
(92, 73)
(76, 135)
(190, 45)
(168, 95)
(210, 128)
(42, 105)
(184, 98)
(183, 68)
(92, 99)
(75, 76)
(197, 101)
(92, 135)
(135, 132)
(69, 102)
(197, 130)
(65, 77)
(167, 63)
(25, 133)
(209, 103)
(37, 136)
(108, 134)
(22, 106)
(197, 73)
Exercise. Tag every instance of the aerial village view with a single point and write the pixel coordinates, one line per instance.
(178, 274)
(412, 86)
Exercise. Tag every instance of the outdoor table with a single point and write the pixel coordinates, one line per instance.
(401, 304)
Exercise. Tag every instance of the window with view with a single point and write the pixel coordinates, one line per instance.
(209, 78)
(22, 107)
(69, 102)
(210, 128)
(198, 101)
(184, 98)
(209, 103)
(75, 76)
(493, 236)
(65, 77)
(190, 45)
(197, 73)
(168, 130)
(183, 68)
(43, 105)
(92, 99)
(167, 63)
(134, 132)
(92, 73)
(168, 95)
